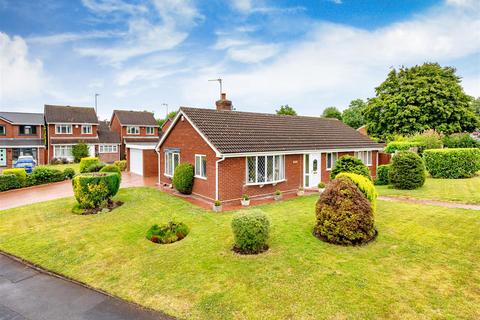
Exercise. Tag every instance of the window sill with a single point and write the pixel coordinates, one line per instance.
(168, 176)
(261, 184)
(200, 177)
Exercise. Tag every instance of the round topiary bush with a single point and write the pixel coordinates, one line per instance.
(407, 171)
(112, 168)
(344, 215)
(363, 184)
(349, 164)
(183, 178)
(250, 232)
(382, 175)
(86, 163)
(93, 190)
(452, 163)
(167, 233)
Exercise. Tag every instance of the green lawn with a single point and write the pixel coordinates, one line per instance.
(75, 166)
(424, 263)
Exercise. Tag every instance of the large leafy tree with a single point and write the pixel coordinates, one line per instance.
(353, 115)
(420, 98)
(332, 112)
(170, 115)
(286, 110)
(476, 105)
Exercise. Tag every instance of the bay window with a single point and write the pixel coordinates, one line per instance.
(200, 166)
(265, 169)
(172, 159)
(365, 156)
(331, 159)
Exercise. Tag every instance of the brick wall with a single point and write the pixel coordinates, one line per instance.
(384, 158)
(232, 179)
(13, 131)
(109, 157)
(185, 137)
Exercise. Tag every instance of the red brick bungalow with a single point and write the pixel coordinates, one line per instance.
(237, 153)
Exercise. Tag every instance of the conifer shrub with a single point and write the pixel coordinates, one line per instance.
(344, 215)
(183, 178)
(112, 168)
(365, 185)
(349, 164)
(382, 174)
(452, 163)
(250, 231)
(92, 190)
(407, 171)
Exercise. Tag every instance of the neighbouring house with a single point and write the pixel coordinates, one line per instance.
(237, 153)
(21, 134)
(363, 130)
(68, 126)
(139, 134)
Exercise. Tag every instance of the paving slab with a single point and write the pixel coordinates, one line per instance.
(27, 293)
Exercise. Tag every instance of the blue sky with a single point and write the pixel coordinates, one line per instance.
(143, 53)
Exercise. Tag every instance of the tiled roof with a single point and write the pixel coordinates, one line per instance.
(23, 118)
(68, 114)
(105, 135)
(14, 142)
(243, 132)
(136, 118)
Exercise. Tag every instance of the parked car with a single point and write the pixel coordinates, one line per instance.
(26, 162)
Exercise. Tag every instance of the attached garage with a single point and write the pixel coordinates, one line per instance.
(142, 159)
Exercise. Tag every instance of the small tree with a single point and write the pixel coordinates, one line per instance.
(286, 110)
(79, 151)
(353, 115)
(332, 112)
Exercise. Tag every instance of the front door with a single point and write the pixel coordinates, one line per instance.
(312, 170)
(91, 150)
(3, 157)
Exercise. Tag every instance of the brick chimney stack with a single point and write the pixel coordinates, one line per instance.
(223, 104)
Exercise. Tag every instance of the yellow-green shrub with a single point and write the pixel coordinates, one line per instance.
(85, 163)
(19, 172)
(93, 189)
(365, 185)
(121, 164)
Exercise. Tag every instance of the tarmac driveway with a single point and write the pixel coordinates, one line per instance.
(20, 197)
(26, 293)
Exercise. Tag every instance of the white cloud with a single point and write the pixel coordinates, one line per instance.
(249, 7)
(60, 38)
(107, 6)
(336, 63)
(253, 53)
(20, 75)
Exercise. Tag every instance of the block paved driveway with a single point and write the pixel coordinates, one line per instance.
(26, 293)
(20, 197)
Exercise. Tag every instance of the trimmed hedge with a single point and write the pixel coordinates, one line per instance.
(112, 168)
(69, 173)
(350, 164)
(183, 178)
(121, 164)
(344, 215)
(168, 233)
(382, 175)
(93, 189)
(394, 146)
(85, 163)
(407, 171)
(41, 175)
(365, 185)
(461, 140)
(452, 163)
(19, 172)
(250, 231)
(9, 181)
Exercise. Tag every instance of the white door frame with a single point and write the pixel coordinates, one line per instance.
(132, 151)
(314, 178)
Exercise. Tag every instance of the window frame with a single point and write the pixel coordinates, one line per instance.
(114, 148)
(63, 147)
(201, 175)
(150, 134)
(137, 130)
(57, 126)
(365, 155)
(333, 160)
(274, 161)
(172, 164)
(4, 130)
(87, 126)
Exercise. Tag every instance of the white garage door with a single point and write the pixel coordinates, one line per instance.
(136, 161)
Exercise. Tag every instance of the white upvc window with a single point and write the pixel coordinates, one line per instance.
(63, 129)
(265, 169)
(201, 166)
(133, 130)
(107, 148)
(331, 159)
(172, 160)
(365, 156)
(62, 151)
(86, 129)
(150, 131)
